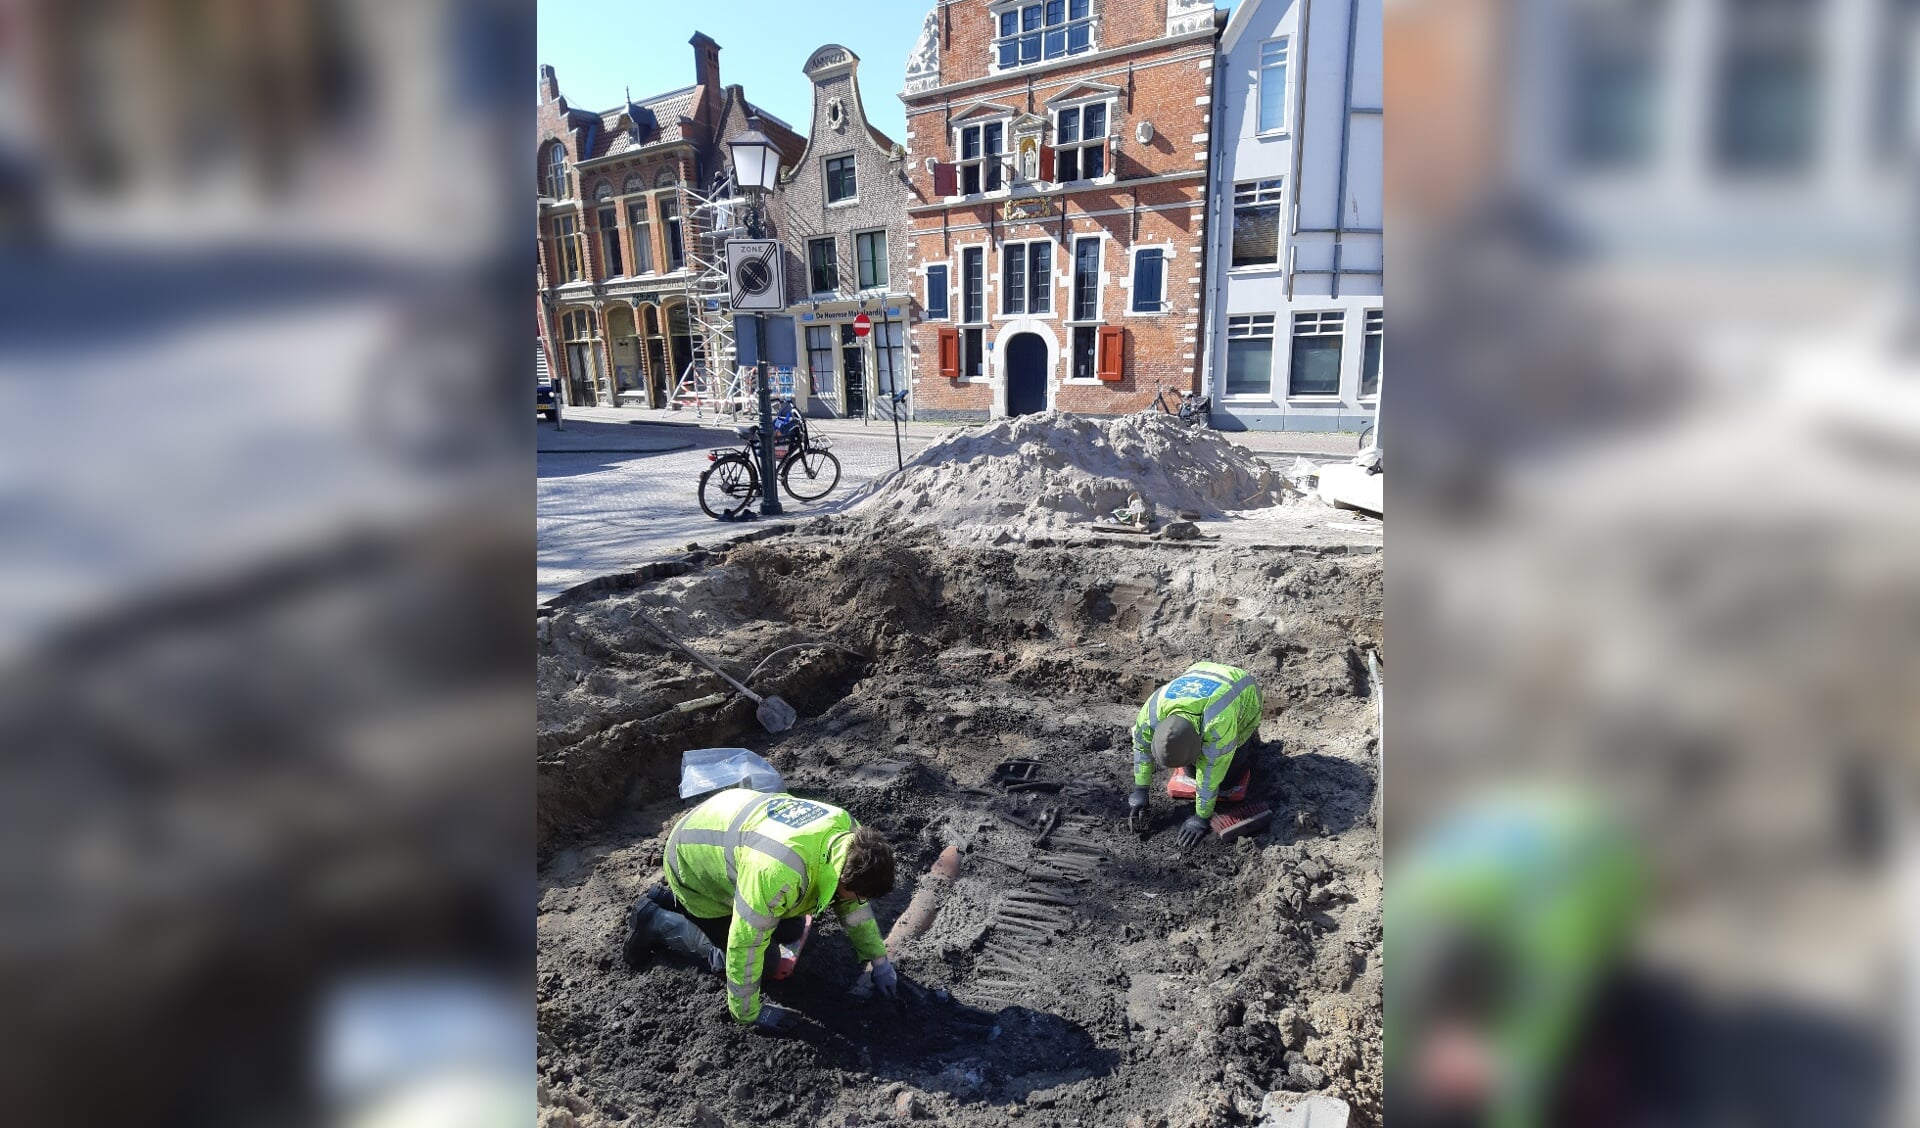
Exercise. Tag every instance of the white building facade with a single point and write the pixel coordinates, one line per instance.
(1295, 335)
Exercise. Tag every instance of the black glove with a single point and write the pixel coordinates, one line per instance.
(1193, 830)
(777, 1022)
(1137, 808)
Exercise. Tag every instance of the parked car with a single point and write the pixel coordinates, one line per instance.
(545, 404)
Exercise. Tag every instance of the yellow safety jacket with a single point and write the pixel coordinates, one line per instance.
(1222, 703)
(761, 859)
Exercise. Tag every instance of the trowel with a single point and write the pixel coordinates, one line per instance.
(774, 713)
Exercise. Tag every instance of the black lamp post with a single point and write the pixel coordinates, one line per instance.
(756, 167)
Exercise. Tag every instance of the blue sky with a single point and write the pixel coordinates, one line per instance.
(600, 47)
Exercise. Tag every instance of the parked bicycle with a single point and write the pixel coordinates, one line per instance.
(807, 469)
(1191, 408)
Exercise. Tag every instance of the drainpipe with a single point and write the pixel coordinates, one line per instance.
(1300, 144)
(1216, 169)
(1346, 131)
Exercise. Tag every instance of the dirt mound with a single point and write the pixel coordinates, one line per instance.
(1042, 472)
(1073, 971)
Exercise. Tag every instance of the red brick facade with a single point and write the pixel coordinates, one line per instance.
(1101, 354)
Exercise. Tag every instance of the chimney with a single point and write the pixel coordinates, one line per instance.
(706, 60)
(549, 84)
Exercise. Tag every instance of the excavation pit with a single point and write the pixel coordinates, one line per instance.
(1073, 970)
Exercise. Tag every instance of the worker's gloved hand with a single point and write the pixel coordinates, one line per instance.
(1137, 809)
(885, 978)
(777, 1022)
(1193, 830)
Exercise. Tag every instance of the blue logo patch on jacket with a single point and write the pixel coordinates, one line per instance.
(795, 813)
(1192, 685)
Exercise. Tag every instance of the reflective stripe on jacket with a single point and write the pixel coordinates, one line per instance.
(1222, 703)
(761, 859)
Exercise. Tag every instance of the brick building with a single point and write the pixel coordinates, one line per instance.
(622, 217)
(843, 218)
(1058, 155)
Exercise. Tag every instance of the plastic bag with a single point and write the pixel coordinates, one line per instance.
(711, 769)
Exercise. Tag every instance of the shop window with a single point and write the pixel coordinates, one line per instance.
(1376, 340)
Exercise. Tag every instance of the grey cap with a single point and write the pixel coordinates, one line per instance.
(1176, 743)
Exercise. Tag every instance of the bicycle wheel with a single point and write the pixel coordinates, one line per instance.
(818, 472)
(728, 487)
(1366, 436)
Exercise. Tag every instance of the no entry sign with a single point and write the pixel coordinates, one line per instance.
(862, 325)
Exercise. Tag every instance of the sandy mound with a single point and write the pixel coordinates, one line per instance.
(1042, 472)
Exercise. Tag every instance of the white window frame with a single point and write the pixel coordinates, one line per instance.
(1260, 77)
(1100, 279)
(959, 321)
(1106, 156)
(1247, 327)
(1026, 260)
(879, 287)
(1373, 323)
(1320, 323)
(995, 40)
(1258, 196)
(960, 165)
(926, 290)
(849, 201)
(1132, 287)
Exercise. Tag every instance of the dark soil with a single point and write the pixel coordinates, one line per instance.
(1091, 977)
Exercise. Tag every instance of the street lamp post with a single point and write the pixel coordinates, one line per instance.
(756, 165)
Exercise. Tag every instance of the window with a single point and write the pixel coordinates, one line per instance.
(1256, 223)
(1084, 339)
(670, 219)
(1086, 279)
(937, 292)
(973, 309)
(973, 304)
(576, 325)
(642, 237)
(666, 178)
(1315, 370)
(889, 355)
(1370, 356)
(1080, 135)
(1767, 89)
(566, 248)
(1149, 280)
(823, 273)
(1250, 355)
(1613, 75)
(1049, 30)
(1026, 278)
(840, 184)
(553, 180)
(870, 250)
(982, 162)
(820, 359)
(1273, 86)
(610, 241)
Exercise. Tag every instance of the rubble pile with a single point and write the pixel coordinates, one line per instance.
(1040, 473)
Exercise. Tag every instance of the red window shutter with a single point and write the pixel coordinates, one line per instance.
(1113, 348)
(950, 354)
(945, 180)
(1046, 163)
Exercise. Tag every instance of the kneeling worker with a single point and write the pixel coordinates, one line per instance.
(763, 864)
(1196, 721)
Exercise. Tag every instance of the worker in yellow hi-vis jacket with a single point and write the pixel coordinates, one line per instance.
(763, 863)
(1197, 722)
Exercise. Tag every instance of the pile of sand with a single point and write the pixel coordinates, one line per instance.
(1038, 473)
